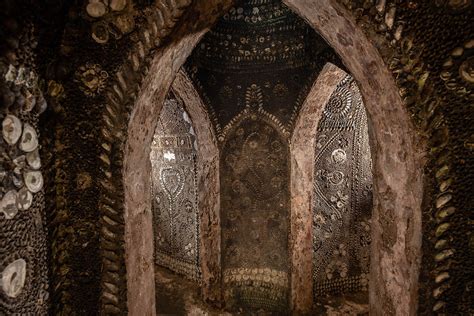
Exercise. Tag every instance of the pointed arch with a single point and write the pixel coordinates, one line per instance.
(396, 152)
(302, 156)
(208, 186)
(397, 166)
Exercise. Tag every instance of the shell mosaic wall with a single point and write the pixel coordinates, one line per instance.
(253, 71)
(342, 201)
(255, 216)
(174, 191)
(427, 46)
(24, 269)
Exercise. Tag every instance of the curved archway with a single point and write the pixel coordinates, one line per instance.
(208, 186)
(302, 171)
(397, 165)
(398, 175)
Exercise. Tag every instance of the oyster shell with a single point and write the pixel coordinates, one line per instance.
(29, 139)
(33, 159)
(33, 181)
(11, 129)
(13, 278)
(8, 205)
(25, 199)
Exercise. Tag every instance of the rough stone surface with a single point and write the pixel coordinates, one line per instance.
(302, 170)
(208, 187)
(398, 185)
(136, 168)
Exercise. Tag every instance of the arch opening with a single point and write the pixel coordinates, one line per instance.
(396, 196)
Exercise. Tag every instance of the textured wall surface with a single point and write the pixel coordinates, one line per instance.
(24, 271)
(342, 203)
(255, 216)
(94, 58)
(427, 45)
(175, 192)
(253, 71)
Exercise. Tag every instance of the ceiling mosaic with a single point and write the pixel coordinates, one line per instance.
(262, 55)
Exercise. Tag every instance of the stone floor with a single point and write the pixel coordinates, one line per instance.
(178, 296)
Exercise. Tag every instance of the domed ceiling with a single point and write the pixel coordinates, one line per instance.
(264, 46)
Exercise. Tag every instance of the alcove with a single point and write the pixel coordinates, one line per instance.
(342, 198)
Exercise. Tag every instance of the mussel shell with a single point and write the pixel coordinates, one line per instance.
(11, 129)
(13, 278)
(8, 205)
(33, 181)
(29, 139)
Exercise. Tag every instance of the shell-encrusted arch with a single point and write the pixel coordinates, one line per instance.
(120, 97)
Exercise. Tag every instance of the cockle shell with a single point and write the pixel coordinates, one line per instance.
(13, 278)
(33, 181)
(118, 5)
(29, 139)
(25, 199)
(125, 23)
(11, 129)
(11, 73)
(8, 205)
(100, 32)
(96, 9)
(34, 159)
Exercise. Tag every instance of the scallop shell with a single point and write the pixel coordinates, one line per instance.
(34, 159)
(8, 205)
(25, 199)
(29, 139)
(11, 129)
(33, 181)
(13, 278)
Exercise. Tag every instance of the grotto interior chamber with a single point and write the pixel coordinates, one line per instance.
(242, 103)
(236, 157)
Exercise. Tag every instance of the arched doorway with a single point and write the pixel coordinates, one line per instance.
(395, 247)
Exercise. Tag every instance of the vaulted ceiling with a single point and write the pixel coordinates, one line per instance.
(260, 54)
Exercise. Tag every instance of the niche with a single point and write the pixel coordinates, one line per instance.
(255, 203)
(174, 191)
(342, 200)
